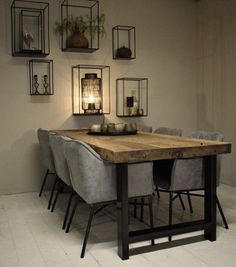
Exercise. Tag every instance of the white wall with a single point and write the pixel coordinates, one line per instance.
(217, 79)
(166, 55)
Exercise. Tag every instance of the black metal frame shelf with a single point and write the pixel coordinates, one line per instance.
(88, 8)
(90, 90)
(41, 77)
(124, 42)
(132, 97)
(35, 32)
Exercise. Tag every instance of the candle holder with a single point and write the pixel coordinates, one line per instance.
(41, 77)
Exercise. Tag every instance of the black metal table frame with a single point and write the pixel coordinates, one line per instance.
(208, 224)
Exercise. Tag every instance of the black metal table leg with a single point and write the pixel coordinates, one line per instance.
(210, 197)
(122, 213)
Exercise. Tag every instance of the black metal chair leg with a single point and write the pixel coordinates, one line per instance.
(158, 193)
(189, 202)
(181, 201)
(44, 181)
(72, 216)
(151, 216)
(52, 193)
(135, 208)
(170, 211)
(222, 213)
(141, 209)
(60, 185)
(87, 231)
(67, 210)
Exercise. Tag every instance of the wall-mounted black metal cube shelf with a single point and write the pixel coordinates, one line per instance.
(84, 15)
(30, 28)
(131, 97)
(90, 89)
(41, 77)
(124, 42)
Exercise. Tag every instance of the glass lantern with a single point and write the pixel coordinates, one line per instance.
(91, 93)
(91, 89)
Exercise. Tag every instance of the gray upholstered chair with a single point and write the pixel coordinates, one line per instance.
(217, 137)
(47, 160)
(168, 131)
(94, 180)
(62, 172)
(174, 132)
(186, 175)
(147, 129)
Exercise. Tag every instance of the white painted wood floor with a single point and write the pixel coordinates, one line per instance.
(30, 235)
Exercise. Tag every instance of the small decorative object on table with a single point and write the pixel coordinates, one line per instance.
(113, 129)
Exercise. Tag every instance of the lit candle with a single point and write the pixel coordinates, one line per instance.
(91, 99)
(91, 104)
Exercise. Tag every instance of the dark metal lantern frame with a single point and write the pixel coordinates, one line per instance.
(78, 74)
(41, 77)
(39, 11)
(124, 36)
(91, 8)
(125, 102)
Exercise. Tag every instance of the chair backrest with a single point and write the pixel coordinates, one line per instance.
(147, 129)
(57, 146)
(169, 131)
(46, 152)
(188, 173)
(95, 179)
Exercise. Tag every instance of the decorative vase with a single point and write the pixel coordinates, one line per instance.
(77, 40)
(123, 52)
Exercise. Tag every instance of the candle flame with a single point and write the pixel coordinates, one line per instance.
(91, 99)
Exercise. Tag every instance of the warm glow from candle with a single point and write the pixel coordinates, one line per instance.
(91, 99)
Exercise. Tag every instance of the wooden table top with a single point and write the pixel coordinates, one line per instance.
(147, 146)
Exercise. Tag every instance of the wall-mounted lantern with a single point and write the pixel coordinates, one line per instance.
(91, 89)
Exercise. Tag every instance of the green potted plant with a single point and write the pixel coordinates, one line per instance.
(78, 27)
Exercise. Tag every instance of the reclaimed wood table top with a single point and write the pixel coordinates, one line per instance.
(144, 146)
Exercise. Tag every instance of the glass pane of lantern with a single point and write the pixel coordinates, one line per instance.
(91, 93)
(31, 30)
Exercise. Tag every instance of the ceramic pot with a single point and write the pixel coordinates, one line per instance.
(123, 52)
(77, 40)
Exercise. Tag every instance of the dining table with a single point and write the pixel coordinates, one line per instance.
(149, 147)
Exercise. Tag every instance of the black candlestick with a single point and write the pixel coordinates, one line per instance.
(36, 85)
(45, 84)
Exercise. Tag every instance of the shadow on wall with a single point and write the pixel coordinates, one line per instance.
(81, 122)
(21, 165)
(205, 118)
